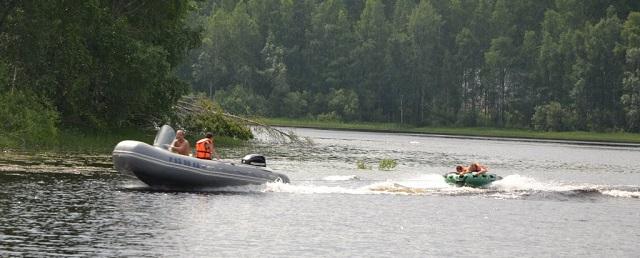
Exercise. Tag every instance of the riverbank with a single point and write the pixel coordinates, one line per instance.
(69, 140)
(503, 133)
(74, 140)
(103, 142)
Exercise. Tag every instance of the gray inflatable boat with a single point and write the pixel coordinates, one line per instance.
(160, 168)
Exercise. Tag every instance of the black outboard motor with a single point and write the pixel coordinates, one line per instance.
(254, 160)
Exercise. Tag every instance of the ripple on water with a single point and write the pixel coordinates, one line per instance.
(69, 205)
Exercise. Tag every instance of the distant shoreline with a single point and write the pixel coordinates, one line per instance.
(481, 133)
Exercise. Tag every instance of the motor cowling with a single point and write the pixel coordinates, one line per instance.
(164, 137)
(255, 160)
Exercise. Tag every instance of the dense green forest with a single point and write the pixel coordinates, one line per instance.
(89, 64)
(548, 65)
(98, 64)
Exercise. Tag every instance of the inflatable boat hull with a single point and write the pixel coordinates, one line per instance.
(160, 168)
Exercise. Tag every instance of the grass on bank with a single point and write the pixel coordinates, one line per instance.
(100, 142)
(77, 141)
(466, 131)
(105, 142)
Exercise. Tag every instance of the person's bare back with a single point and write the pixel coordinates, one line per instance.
(474, 167)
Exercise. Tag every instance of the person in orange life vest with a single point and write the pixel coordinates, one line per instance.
(474, 167)
(205, 147)
(180, 145)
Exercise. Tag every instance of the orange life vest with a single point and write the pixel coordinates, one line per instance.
(202, 150)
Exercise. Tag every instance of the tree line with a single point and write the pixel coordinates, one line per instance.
(90, 64)
(548, 64)
(98, 64)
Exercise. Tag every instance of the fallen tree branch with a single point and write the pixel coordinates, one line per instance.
(188, 105)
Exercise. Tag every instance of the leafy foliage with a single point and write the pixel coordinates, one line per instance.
(360, 164)
(206, 116)
(344, 103)
(106, 64)
(100, 64)
(631, 82)
(241, 101)
(27, 120)
(552, 117)
(387, 164)
(469, 63)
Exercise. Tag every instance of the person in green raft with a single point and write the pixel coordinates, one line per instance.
(474, 167)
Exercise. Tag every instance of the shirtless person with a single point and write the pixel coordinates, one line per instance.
(474, 167)
(180, 145)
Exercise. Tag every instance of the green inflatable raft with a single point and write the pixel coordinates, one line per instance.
(470, 179)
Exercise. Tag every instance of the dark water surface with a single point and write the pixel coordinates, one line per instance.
(555, 200)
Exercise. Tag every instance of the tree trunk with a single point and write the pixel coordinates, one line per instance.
(401, 109)
(422, 104)
(15, 75)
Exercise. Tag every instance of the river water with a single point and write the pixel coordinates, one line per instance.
(555, 200)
